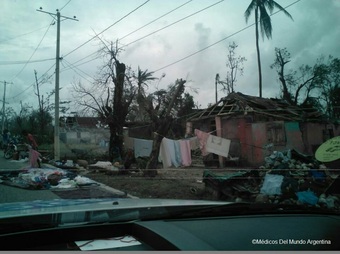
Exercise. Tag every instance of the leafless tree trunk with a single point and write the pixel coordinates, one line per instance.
(163, 123)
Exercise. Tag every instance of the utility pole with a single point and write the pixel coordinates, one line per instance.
(56, 110)
(217, 78)
(3, 106)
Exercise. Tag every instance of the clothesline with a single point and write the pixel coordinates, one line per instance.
(185, 138)
(178, 152)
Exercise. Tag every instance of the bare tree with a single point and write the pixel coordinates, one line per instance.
(42, 116)
(234, 65)
(293, 82)
(327, 72)
(110, 98)
(161, 119)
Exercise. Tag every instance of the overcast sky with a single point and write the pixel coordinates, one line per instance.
(189, 43)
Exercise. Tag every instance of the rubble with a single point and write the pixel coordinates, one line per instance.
(46, 178)
(287, 177)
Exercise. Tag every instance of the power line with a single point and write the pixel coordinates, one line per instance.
(147, 25)
(20, 35)
(162, 16)
(94, 53)
(25, 62)
(106, 28)
(72, 66)
(217, 42)
(56, 97)
(13, 97)
(205, 48)
(65, 5)
(75, 68)
(35, 50)
(175, 22)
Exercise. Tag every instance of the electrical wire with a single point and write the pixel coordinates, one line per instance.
(25, 62)
(196, 52)
(20, 35)
(65, 5)
(83, 44)
(174, 22)
(13, 97)
(178, 7)
(162, 16)
(76, 69)
(35, 50)
(217, 42)
(74, 66)
(156, 30)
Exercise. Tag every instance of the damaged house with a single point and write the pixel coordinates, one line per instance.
(258, 126)
(83, 131)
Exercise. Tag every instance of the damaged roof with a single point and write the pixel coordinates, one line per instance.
(237, 104)
(80, 122)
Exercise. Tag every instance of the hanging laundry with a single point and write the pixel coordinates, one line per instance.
(177, 160)
(142, 147)
(194, 143)
(185, 146)
(218, 145)
(170, 153)
(166, 151)
(202, 137)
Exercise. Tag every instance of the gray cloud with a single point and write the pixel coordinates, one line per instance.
(314, 31)
(203, 35)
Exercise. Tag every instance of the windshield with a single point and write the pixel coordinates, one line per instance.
(235, 102)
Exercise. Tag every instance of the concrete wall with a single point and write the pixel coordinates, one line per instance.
(98, 137)
(248, 139)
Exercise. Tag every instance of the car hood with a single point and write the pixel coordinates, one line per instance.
(41, 207)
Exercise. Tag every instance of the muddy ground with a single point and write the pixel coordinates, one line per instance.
(180, 183)
(172, 183)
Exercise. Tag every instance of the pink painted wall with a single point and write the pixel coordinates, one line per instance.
(249, 138)
(259, 138)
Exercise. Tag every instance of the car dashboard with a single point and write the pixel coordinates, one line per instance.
(246, 232)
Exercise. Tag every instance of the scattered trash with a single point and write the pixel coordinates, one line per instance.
(193, 190)
(287, 177)
(46, 178)
(307, 197)
(272, 184)
(101, 165)
(66, 183)
(81, 180)
(329, 201)
(262, 198)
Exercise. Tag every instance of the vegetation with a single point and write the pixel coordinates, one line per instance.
(314, 86)
(234, 66)
(259, 7)
(125, 99)
(36, 121)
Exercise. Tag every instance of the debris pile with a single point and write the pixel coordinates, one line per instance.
(286, 177)
(46, 178)
(107, 167)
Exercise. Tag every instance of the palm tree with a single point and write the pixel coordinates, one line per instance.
(143, 78)
(260, 8)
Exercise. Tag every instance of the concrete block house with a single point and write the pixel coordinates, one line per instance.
(257, 126)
